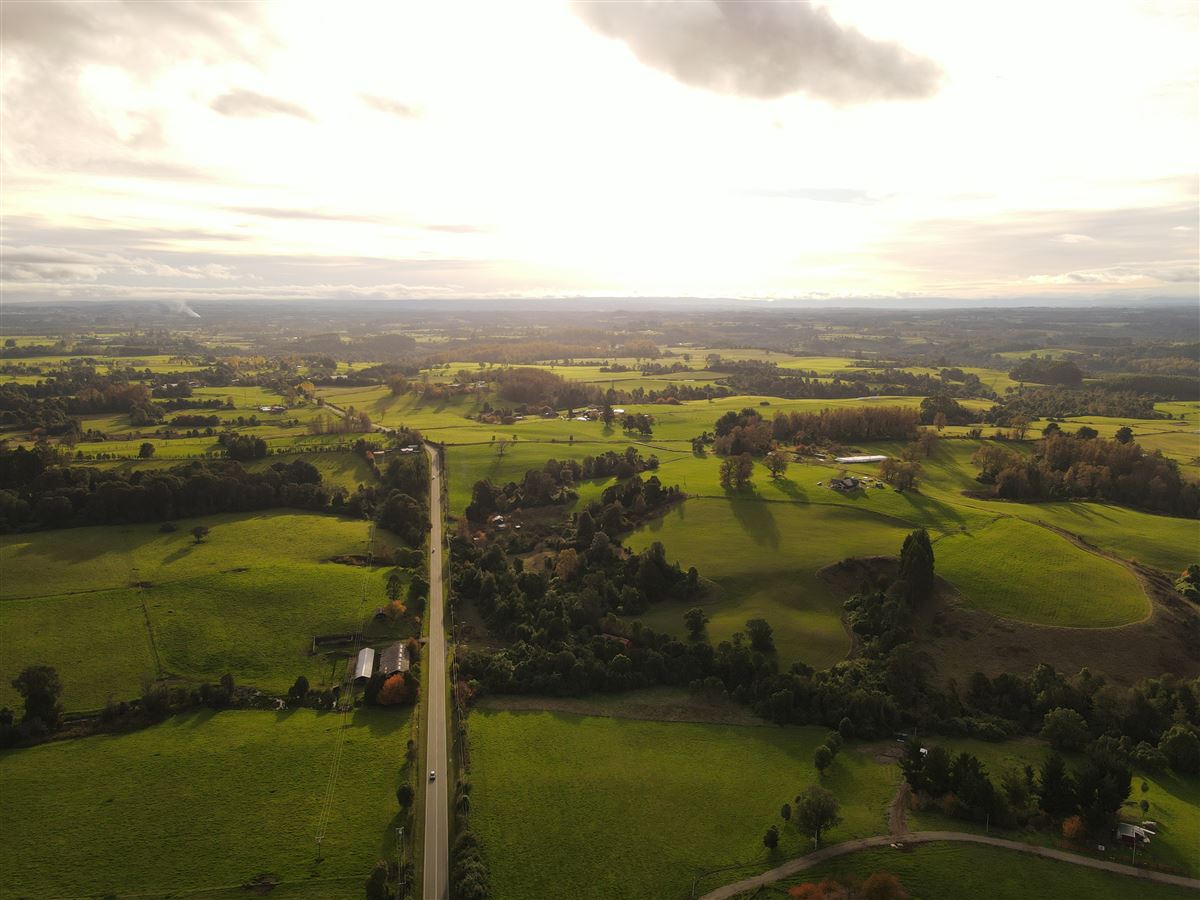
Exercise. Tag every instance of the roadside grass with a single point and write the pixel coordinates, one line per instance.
(201, 801)
(764, 558)
(1018, 570)
(949, 871)
(623, 808)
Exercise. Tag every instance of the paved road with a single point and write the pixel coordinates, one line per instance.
(437, 804)
(800, 864)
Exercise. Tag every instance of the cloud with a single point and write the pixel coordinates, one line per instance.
(458, 229)
(50, 122)
(1164, 272)
(249, 104)
(764, 49)
(1074, 239)
(271, 212)
(391, 107)
(821, 195)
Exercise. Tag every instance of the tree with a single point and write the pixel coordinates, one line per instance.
(901, 474)
(760, 636)
(927, 441)
(816, 810)
(1182, 749)
(40, 687)
(1057, 793)
(1065, 729)
(502, 447)
(299, 690)
(785, 812)
(777, 463)
(405, 795)
(1073, 829)
(146, 450)
(394, 586)
(939, 420)
(695, 619)
(1020, 427)
(883, 886)
(393, 691)
(200, 532)
(1124, 435)
(771, 838)
(916, 565)
(822, 759)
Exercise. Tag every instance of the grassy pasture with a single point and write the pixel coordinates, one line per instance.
(202, 802)
(764, 557)
(949, 871)
(246, 601)
(623, 808)
(1018, 570)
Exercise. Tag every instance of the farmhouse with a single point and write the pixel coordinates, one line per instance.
(852, 460)
(364, 665)
(393, 659)
(849, 483)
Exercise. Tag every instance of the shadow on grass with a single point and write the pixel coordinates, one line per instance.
(757, 520)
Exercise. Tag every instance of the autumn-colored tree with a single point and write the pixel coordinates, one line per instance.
(883, 886)
(1073, 829)
(567, 564)
(396, 609)
(393, 692)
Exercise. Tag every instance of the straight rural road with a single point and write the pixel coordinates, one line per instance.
(437, 805)
(801, 863)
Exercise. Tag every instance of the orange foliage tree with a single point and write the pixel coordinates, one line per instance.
(394, 691)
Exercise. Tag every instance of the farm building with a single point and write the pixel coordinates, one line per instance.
(393, 659)
(852, 460)
(364, 666)
(848, 483)
(1133, 834)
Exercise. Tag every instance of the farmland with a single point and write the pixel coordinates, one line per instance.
(98, 605)
(202, 802)
(624, 808)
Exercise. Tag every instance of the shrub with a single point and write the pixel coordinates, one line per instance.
(1073, 829)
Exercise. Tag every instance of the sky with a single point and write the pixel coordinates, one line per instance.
(756, 150)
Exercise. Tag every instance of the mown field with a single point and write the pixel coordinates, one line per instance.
(95, 602)
(612, 808)
(947, 871)
(203, 802)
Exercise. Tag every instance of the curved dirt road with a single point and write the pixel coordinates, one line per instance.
(801, 863)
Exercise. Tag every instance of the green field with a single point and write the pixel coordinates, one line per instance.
(203, 802)
(247, 601)
(764, 557)
(947, 871)
(621, 808)
(1018, 570)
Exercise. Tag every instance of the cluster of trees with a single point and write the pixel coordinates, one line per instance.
(553, 482)
(942, 409)
(882, 619)
(1168, 387)
(1045, 370)
(468, 869)
(1065, 467)
(242, 447)
(1058, 402)
(844, 426)
(742, 432)
(961, 786)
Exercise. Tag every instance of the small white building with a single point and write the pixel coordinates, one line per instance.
(364, 667)
(852, 460)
